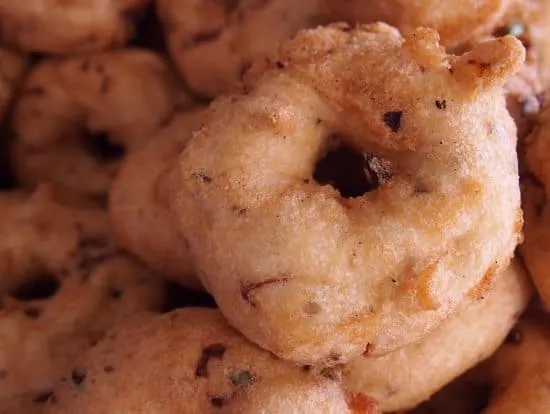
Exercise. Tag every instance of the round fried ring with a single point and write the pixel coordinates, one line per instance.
(316, 277)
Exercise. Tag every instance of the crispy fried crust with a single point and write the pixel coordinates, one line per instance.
(71, 107)
(64, 282)
(313, 276)
(190, 361)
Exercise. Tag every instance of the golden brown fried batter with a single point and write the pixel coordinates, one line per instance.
(67, 26)
(535, 190)
(212, 43)
(318, 277)
(78, 117)
(190, 361)
(521, 369)
(138, 202)
(64, 282)
(404, 378)
(457, 22)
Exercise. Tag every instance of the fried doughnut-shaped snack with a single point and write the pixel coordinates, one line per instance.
(67, 283)
(77, 117)
(404, 378)
(456, 23)
(67, 27)
(212, 43)
(12, 68)
(191, 361)
(316, 275)
(520, 370)
(535, 190)
(138, 202)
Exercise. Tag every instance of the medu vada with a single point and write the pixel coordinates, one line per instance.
(68, 283)
(520, 370)
(138, 202)
(535, 249)
(212, 43)
(77, 117)
(67, 27)
(408, 376)
(191, 361)
(317, 275)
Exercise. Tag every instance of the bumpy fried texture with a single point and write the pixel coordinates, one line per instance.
(12, 68)
(138, 202)
(521, 369)
(77, 117)
(64, 285)
(212, 43)
(316, 277)
(69, 26)
(191, 361)
(535, 189)
(404, 378)
(457, 22)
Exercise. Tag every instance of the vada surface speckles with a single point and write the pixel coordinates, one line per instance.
(64, 283)
(318, 275)
(190, 361)
(404, 378)
(138, 202)
(212, 43)
(77, 118)
(67, 27)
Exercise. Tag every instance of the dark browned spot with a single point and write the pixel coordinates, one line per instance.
(101, 148)
(115, 293)
(33, 312)
(441, 104)
(203, 37)
(350, 172)
(210, 351)
(199, 175)
(42, 286)
(393, 120)
(78, 377)
(369, 349)
(515, 337)
(42, 397)
(85, 65)
(108, 369)
(219, 401)
(311, 308)
(3, 374)
(239, 211)
(280, 65)
(306, 368)
(242, 378)
(248, 289)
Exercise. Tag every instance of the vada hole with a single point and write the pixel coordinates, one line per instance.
(350, 172)
(42, 286)
(99, 146)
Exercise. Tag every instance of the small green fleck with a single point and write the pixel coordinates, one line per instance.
(242, 378)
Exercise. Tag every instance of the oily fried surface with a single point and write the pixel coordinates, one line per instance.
(65, 284)
(191, 361)
(317, 277)
(68, 26)
(212, 43)
(520, 369)
(77, 117)
(456, 21)
(404, 378)
(138, 202)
